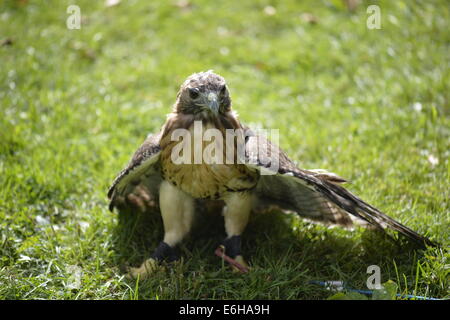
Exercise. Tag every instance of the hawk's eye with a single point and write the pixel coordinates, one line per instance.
(193, 93)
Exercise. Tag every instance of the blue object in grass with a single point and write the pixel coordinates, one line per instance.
(341, 285)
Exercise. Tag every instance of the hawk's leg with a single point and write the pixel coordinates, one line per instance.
(236, 214)
(177, 211)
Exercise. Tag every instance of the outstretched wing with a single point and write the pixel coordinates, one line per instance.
(313, 194)
(143, 169)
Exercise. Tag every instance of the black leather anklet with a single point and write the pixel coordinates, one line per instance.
(164, 252)
(232, 246)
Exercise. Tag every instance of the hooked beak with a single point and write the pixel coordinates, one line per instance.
(213, 103)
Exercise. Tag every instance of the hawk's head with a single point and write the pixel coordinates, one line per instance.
(204, 93)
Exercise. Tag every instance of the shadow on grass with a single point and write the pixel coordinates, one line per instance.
(285, 254)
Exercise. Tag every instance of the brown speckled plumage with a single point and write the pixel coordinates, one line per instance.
(315, 195)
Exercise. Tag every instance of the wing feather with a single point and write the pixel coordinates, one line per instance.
(142, 168)
(313, 194)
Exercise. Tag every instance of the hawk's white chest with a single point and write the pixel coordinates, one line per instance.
(197, 165)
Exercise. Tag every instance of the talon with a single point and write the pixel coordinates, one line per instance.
(145, 270)
(238, 264)
(230, 251)
(243, 265)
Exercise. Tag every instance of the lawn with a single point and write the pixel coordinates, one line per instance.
(369, 104)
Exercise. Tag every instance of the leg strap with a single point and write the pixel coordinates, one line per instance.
(164, 252)
(232, 246)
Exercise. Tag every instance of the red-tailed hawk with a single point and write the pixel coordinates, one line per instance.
(173, 168)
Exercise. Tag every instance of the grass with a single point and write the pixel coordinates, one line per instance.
(370, 105)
